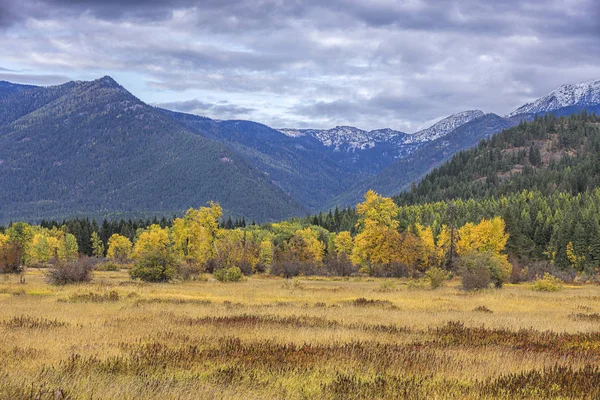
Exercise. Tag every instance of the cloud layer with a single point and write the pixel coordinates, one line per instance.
(372, 64)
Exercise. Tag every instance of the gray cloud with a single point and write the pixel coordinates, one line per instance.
(221, 110)
(311, 63)
(32, 79)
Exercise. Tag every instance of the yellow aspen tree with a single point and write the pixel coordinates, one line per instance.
(265, 256)
(313, 249)
(343, 243)
(119, 248)
(195, 234)
(231, 248)
(431, 254)
(378, 240)
(153, 240)
(39, 251)
(488, 235)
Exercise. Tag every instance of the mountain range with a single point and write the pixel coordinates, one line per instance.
(93, 148)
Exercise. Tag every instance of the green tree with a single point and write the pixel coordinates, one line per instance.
(97, 245)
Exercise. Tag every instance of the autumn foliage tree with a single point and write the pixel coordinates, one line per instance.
(378, 241)
(154, 256)
(119, 248)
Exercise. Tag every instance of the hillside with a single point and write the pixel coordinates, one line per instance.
(565, 100)
(399, 175)
(548, 154)
(93, 148)
(302, 166)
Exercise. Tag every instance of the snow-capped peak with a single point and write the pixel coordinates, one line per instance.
(444, 127)
(292, 132)
(577, 94)
(348, 137)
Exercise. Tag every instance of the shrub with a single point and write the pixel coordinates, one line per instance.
(290, 269)
(232, 274)
(339, 265)
(189, 271)
(540, 268)
(480, 269)
(392, 270)
(519, 274)
(10, 258)
(483, 309)
(436, 276)
(387, 286)
(107, 266)
(413, 283)
(548, 283)
(76, 271)
(245, 267)
(155, 266)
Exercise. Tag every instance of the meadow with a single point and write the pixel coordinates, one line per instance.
(272, 338)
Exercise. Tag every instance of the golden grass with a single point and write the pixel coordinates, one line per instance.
(311, 338)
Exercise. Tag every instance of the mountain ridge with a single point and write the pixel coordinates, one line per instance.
(93, 147)
(137, 157)
(579, 94)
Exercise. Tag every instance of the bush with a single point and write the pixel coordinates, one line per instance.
(548, 283)
(290, 269)
(232, 274)
(155, 267)
(519, 274)
(480, 269)
(540, 268)
(108, 266)
(71, 272)
(189, 271)
(10, 259)
(436, 276)
(245, 267)
(393, 270)
(339, 265)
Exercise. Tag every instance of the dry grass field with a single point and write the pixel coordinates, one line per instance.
(268, 338)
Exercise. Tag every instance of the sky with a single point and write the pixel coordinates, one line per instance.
(309, 64)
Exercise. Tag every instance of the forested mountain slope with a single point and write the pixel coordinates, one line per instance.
(399, 175)
(548, 154)
(93, 148)
(542, 177)
(302, 167)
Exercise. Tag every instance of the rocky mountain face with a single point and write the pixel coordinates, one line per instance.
(348, 138)
(444, 127)
(582, 95)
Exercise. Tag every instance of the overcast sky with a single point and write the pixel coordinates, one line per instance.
(316, 63)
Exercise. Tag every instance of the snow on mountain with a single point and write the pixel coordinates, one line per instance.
(346, 137)
(292, 132)
(578, 94)
(443, 127)
(350, 139)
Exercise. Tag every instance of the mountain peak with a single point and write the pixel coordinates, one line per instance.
(445, 126)
(107, 82)
(347, 137)
(580, 94)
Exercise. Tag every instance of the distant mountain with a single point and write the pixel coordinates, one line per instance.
(7, 88)
(93, 148)
(574, 97)
(547, 155)
(444, 127)
(348, 138)
(302, 166)
(399, 175)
